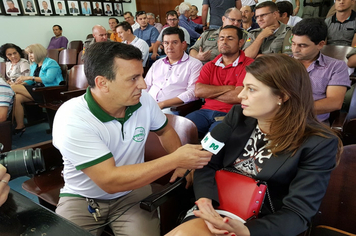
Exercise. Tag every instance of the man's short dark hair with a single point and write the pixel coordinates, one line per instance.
(99, 59)
(285, 7)
(113, 18)
(173, 30)
(196, 8)
(239, 32)
(171, 13)
(59, 3)
(60, 27)
(128, 12)
(125, 25)
(315, 28)
(271, 5)
(139, 13)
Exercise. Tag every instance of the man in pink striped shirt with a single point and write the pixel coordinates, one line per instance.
(171, 80)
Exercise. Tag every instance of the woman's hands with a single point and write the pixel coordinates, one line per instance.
(217, 224)
(22, 79)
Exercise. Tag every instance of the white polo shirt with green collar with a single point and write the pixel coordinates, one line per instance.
(86, 135)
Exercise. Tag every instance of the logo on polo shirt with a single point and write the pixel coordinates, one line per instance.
(139, 134)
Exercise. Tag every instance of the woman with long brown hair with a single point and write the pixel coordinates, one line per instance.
(276, 138)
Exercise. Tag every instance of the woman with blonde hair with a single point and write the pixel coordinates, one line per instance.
(44, 72)
(275, 138)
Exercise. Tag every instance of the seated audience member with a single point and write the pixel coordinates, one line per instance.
(177, 10)
(206, 48)
(285, 14)
(11, 6)
(146, 31)
(86, 9)
(329, 77)
(124, 31)
(247, 15)
(102, 137)
(194, 15)
(172, 19)
(190, 26)
(129, 18)
(151, 18)
(29, 7)
(171, 80)
(58, 41)
(342, 25)
(60, 10)
(6, 100)
(99, 35)
(272, 37)
(15, 63)
(45, 72)
(275, 138)
(220, 80)
(97, 10)
(4, 187)
(113, 22)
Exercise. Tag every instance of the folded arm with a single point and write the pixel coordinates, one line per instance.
(334, 98)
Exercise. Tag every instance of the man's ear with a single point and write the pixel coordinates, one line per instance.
(102, 83)
(223, 18)
(241, 43)
(321, 44)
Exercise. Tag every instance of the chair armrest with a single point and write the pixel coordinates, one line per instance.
(154, 200)
(51, 93)
(187, 108)
(50, 88)
(73, 93)
(339, 121)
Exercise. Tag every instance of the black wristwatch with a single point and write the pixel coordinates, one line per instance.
(33, 78)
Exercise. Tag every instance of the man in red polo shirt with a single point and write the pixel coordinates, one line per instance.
(220, 80)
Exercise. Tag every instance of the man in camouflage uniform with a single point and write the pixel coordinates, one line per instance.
(272, 37)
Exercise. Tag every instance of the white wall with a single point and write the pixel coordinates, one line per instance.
(26, 30)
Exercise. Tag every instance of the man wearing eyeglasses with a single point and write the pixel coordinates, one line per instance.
(172, 20)
(272, 37)
(206, 47)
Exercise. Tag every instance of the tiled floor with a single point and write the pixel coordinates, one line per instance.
(32, 135)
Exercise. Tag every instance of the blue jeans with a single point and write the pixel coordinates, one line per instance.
(204, 120)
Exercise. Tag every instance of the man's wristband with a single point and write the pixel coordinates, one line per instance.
(33, 78)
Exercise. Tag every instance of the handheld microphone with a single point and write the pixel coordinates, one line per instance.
(215, 140)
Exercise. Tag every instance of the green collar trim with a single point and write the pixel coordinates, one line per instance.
(99, 113)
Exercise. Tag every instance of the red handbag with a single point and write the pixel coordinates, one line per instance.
(239, 194)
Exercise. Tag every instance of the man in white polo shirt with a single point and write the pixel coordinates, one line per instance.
(101, 136)
(124, 30)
